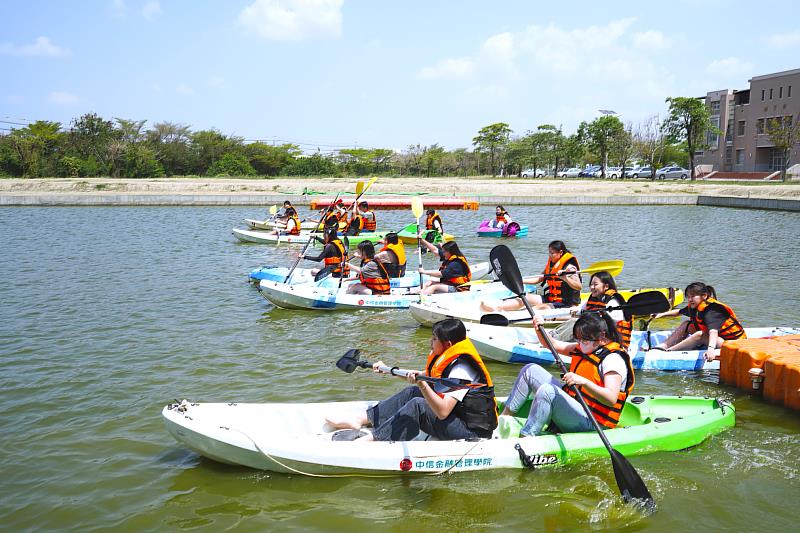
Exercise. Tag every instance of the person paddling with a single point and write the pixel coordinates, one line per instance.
(292, 224)
(467, 413)
(453, 273)
(563, 285)
(501, 217)
(333, 255)
(372, 275)
(433, 225)
(368, 215)
(355, 224)
(710, 323)
(393, 255)
(600, 367)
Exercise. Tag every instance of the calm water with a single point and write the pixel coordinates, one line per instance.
(107, 314)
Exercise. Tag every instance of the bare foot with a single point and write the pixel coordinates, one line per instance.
(486, 307)
(347, 423)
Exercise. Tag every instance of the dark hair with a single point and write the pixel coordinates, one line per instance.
(594, 325)
(452, 248)
(501, 208)
(363, 203)
(430, 211)
(331, 234)
(290, 211)
(558, 246)
(450, 330)
(367, 249)
(605, 278)
(700, 288)
(287, 203)
(391, 238)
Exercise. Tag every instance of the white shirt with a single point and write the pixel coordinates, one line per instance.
(462, 370)
(616, 316)
(614, 362)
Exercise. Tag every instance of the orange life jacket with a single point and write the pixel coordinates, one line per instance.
(588, 366)
(370, 222)
(557, 290)
(396, 270)
(457, 281)
(729, 330)
(431, 219)
(625, 325)
(338, 261)
(296, 227)
(478, 409)
(356, 222)
(376, 285)
(501, 217)
(331, 219)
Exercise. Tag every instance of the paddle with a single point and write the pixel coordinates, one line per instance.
(417, 208)
(351, 360)
(612, 266)
(640, 304)
(346, 244)
(305, 248)
(630, 484)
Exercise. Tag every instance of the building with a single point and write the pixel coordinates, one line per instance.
(741, 115)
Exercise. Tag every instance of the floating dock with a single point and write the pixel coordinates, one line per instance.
(402, 202)
(770, 366)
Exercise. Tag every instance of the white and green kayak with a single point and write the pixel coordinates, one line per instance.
(268, 237)
(294, 438)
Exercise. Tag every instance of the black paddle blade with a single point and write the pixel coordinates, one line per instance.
(495, 319)
(506, 269)
(349, 361)
(630, 484)
(648, 303)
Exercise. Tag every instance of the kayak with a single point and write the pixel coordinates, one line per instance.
(294, 438)
(409, 235)
(271, 224)
(521, 345)
(311, 296)
(304, 275)
(264, 237)
(487, 230)
(428, 313)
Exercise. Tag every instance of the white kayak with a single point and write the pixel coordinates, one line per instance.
(295, 439)
(312, 296)
(428, 313)
(304, 275)
(271, 225)
(268, 237)
(521, 345)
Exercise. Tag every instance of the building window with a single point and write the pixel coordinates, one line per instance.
(740, 128)
(770, 94)
(760, 126)
(762, 94)
(740, 157)
(776, 161)
(780, 91)
(715, 107)
(789, 92)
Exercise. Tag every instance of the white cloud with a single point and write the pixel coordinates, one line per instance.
(651, 39)
(784, 40)
(217, 82)
(41, 47)
(62, 98)
(729, 66)
(293, 20)
(461, 67)
(151, 9)
(184, 89)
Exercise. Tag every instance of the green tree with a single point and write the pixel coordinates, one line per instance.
(492, 139)
(600, 134)
(270, 160)
(314, 165)
(208, 146)
(37, 148)
(622, 147)
(88, 138)
(231, 164)
(431, 159)
(689, 120)
(784, 134)
(648, 142)
(171, 143)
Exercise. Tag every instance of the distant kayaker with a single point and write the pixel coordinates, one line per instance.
(600, 367)
(292, 224)
(329, 217)
(602, 295)
(457, 414)
(281, 215)
(433, 223)
(370, 220)
(372, 275)
(453, 273)
(563, 289)
(333, 255)
(710, 323)
(393, 255)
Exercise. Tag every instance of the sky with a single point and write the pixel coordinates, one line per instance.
(367, 73)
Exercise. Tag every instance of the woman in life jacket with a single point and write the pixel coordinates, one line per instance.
(710, 323)
(281, 215)
(600, 368)
(433, 225)
(501, 217)
(368, 215)
(372, 275)
(562, 284)
(355, 224)
(453, 273)
(329, 218)
(393, 255)
(602, 295)
(445, 415)
(333, 255)
(292, 224)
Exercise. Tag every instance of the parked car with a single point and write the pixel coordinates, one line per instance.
(672, 173)
(573, 172)
(641, 172)
(588, 172)
(612, 172)
(533, 173)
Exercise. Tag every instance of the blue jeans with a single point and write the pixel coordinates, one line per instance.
(550, 403)
(404, 415)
